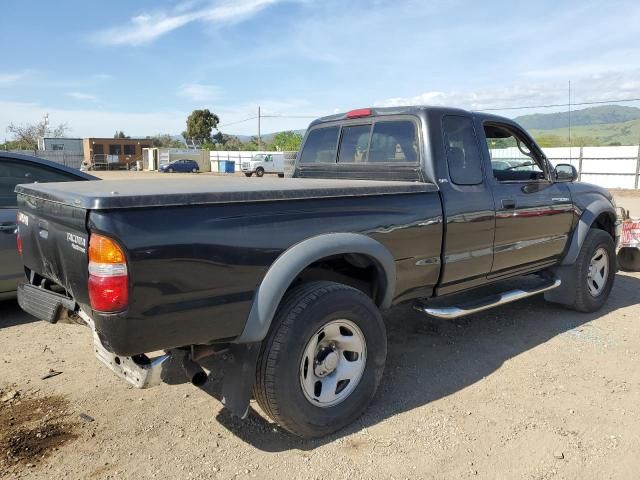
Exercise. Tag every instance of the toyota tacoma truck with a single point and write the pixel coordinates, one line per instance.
(386, 205)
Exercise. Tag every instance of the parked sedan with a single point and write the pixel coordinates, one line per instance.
(183, 165)
(16, 169)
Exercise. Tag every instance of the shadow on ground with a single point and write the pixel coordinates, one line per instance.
(430, 358)
(12, 315)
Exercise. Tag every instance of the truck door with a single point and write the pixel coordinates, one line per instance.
(467, 205)
(533, 214)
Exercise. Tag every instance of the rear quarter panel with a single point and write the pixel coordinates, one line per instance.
(194, 269)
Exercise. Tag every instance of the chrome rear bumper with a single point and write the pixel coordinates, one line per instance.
(140, 371)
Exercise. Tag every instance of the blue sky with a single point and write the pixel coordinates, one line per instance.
(142, 66)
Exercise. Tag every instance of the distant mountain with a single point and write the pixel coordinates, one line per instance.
(587, 116)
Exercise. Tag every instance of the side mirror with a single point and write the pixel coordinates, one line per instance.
(565, 172)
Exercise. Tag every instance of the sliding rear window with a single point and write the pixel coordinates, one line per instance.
(320, 146)
(384, 141)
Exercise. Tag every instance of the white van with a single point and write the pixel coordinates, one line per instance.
(263, 163)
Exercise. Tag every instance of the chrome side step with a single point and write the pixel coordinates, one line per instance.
(487, 303)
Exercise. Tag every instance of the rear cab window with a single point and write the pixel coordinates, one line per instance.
(379, 141)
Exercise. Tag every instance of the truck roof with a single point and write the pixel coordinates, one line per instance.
(407, 110)
(207, 189)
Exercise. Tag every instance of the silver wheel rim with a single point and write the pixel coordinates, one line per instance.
(333, 362)
(598, 272)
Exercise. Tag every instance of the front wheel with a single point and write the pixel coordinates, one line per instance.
(259, 172)
(595, 271)
(323, 359)
(170, 170)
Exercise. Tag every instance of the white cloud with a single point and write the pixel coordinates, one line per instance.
(199, 92)
(607, 85)
(94, 122)
(147, 27)
(82, 96)
(9, 79)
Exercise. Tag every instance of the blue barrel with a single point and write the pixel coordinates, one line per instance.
(230, 167)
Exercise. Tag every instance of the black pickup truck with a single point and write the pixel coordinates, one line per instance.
(289, 276)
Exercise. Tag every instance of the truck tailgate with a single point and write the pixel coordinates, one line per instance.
(54, 243)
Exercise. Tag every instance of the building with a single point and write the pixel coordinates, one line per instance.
(154, 158)
(53, 144)
(110, 151)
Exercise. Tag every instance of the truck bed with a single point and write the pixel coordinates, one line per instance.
(200, 190)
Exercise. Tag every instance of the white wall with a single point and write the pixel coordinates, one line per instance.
(611, 167)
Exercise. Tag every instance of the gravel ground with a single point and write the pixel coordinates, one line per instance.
(528, 390)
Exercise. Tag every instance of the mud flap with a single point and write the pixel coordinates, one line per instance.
(239, 377)
(566, 293)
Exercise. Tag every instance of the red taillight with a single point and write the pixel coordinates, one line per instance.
(108, 275)
(19, 242)
(360, 112)
(108, 294)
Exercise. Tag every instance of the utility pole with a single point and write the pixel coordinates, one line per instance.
(259, 137)
(569, 118)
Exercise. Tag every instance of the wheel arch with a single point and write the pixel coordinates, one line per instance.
(291, 263)
(598, 214)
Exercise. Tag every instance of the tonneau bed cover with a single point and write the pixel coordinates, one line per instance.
(207, 189)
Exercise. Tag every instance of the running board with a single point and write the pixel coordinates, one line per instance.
(485, 304)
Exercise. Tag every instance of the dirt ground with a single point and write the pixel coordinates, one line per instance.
(529, 390)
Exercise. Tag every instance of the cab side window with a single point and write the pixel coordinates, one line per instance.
(463, 153)
(512, 157)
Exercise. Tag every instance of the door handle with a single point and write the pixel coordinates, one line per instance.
(508, 204)
(6, 227)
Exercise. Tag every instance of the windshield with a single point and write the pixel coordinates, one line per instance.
(259, 157)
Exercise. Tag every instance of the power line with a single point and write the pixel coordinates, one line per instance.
(236, 122)
(493, 109)
(572, 104)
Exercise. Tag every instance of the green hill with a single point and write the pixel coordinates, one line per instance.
(625, 133)
(604, 114)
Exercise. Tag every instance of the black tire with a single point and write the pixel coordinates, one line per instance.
(281, 175)
(194, 170)
(629, 259)
(248, 174)
(170, 170)
(259, 172)
(584, 300)
(303, 312)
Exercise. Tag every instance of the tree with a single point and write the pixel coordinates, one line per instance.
(199, 125)
(164, 140)
(120, 134)
(27, 135)
(287, 141)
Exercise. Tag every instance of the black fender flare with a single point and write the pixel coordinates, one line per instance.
(589, 215)
(295, 259)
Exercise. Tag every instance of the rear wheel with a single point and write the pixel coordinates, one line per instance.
(281, 175)
(194, 170)
(259, 172)
(323, 360)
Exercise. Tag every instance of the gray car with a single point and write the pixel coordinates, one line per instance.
(16, 169)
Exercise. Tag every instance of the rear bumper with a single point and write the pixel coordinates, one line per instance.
(139, 370)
